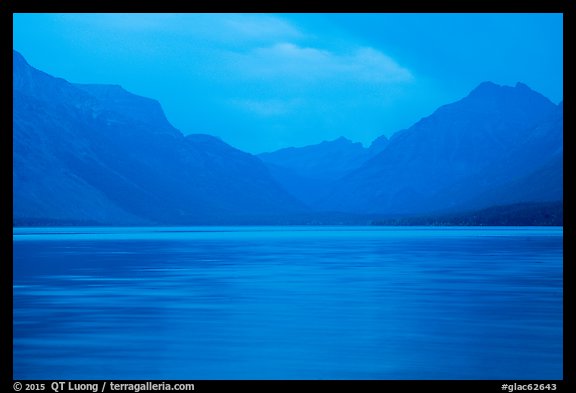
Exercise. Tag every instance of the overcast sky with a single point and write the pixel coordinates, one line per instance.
(266, 81)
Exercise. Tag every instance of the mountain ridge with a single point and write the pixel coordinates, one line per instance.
(100, 154)
(77, 157)
(457, 141)
(308, 172)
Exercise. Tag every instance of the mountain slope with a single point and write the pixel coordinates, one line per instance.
(101, 154)
(309, 172)
(469, 142)
(532, 171)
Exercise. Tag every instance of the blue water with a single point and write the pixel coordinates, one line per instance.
(288, 303)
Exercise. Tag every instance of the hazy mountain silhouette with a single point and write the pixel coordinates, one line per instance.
(310, 172)
(97, 153)
(85, 153)
(465, 155)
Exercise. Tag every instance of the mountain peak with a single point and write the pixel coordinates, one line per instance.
(487, 88)
(488, 85)
(488, 97)
(340, 140)
(520, 85)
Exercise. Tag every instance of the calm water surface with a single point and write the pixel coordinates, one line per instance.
(288, 303)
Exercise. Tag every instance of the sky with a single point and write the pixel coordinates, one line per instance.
(262, 82)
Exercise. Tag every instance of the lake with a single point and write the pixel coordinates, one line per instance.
(288, 303)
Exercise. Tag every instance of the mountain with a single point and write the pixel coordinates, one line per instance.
(99, 154)
(115, 99)
(309, 172)
(532, 171)
(463, 156)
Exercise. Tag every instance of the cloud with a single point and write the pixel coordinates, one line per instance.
(289, 60)
(233, 29)
(267, 108)
(119, 21)
(260, 27)
(253, 46)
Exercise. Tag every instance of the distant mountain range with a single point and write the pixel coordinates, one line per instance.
(97, 154)
(310, 172)
(499, 145)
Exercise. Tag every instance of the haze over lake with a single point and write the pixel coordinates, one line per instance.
(288, 303)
